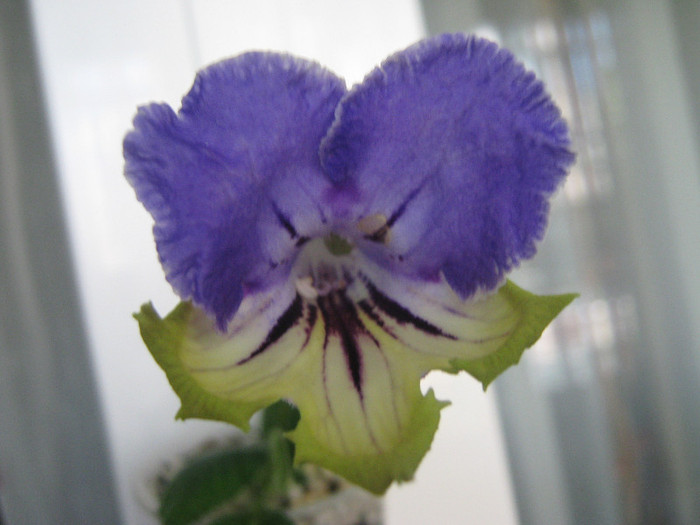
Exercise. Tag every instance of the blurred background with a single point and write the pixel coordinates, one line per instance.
(599, 424)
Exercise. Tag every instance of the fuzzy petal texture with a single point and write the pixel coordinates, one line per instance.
(333, 247)
(452, 150)
(233, 180)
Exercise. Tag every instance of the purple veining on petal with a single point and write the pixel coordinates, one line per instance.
(326, 388)
(369, 309)
(460, 118)
(289, 318)
(340, 322)
(299, 240)
(381, 234)
(392, 386)
(399, 313)
(309, 319)
(247, 135)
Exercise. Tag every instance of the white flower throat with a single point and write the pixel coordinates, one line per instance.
(330, 264)
(325, 265)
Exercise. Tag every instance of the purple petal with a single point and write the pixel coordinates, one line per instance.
(233, 180)
(457, 148)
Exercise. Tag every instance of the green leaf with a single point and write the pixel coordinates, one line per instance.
(281, 415)
(278, 418)
(210, 481)
(261, 517)
(534, 313)
(281, 452)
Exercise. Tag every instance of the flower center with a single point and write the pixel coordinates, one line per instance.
(324, 265)
(330, 263)
(337, 245)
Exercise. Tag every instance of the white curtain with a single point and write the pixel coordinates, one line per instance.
(601, 418)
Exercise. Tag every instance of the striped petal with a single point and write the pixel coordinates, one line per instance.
(351, 360)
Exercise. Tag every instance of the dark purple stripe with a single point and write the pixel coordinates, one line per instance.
(400, 211)
(284, 221)
(287, 225)
(368, 308)
(341, 318)
(311, 316)
(381, 233)
(286, 321)
(399, 313)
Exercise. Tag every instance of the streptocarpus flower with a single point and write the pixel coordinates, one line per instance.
(331, 247)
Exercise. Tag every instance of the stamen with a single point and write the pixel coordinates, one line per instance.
(375, 227)
(305, 288)
(325, 265)
(371, 223)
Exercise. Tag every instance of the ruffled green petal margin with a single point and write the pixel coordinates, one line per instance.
(352, 367)
(375, 472)
(164, 337)
(536, 312)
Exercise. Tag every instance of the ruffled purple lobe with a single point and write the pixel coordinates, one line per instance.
(233, 180)
(452, 149)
